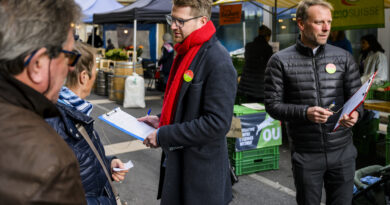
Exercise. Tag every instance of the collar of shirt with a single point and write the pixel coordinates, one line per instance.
(315, 50)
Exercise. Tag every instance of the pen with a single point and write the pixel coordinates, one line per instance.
(331, 105)
(149, 111)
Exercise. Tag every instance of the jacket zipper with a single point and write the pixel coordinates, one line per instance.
(318, 99)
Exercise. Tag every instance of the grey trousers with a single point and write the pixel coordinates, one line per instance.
(334, 170)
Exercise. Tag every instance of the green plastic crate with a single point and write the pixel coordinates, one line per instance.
(240, 110)
(388, 128)
(365, 144)
(255, 165)
(370, 95)
(383, 150)
(382, 95)
(257, 153)
(367, 127)
(387, 152)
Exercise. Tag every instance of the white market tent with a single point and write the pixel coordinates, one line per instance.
(90, 7)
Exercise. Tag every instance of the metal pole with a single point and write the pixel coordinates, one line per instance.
(274, 21)
(135, 44)
(157, 40)
(244, 33)
(93, 36)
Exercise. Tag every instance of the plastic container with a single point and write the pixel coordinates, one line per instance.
(258, 153)
(240, 110)
(256, 165)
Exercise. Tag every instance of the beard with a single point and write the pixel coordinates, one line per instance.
(313, 39)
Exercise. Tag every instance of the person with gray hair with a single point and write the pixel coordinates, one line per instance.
(36, 42)
(305, 85)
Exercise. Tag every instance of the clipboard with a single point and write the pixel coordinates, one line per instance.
(356, 100)
(127, 124)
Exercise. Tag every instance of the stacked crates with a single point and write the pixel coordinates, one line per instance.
(365, 135)
(379, 92)
(383, 145)
(387, 144)
(382, 92)
(255, 160)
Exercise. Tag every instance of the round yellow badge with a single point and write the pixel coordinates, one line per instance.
(330, 68)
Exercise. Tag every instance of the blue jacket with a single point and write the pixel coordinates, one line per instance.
(96, 186)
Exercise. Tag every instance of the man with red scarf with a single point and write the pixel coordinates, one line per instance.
(197, 112)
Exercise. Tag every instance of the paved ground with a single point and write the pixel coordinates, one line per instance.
(140, 187)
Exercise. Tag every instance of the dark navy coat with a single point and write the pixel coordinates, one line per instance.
(198, 171)
(95, 183)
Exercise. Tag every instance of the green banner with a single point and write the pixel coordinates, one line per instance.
(258, 130)
(357, 14)
(271, 135)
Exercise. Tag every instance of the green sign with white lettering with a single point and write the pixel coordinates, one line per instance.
(258, 130)
(357, 14)
(271, 134)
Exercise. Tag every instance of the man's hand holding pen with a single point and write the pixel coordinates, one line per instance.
(318, 114)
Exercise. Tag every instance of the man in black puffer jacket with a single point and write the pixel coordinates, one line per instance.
(300, 83)
(257, 54)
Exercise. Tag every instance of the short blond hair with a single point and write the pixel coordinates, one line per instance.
(198, 7)
(85, 63)
(304, 5)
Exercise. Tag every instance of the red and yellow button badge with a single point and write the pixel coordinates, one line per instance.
(188, 76)
(330, 68)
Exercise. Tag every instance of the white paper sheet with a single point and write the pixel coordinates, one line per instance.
(355, 100)
(254, 106)
(128, 165)
(127, 123)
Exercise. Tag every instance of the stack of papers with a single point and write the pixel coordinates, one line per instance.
(127, 124)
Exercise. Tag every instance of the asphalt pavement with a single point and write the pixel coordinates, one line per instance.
(275, 187)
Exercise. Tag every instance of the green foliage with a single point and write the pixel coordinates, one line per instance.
(117, 54)
(238, 64)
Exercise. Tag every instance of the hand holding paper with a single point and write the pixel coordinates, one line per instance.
(127, 123)
(151, 140)
(354, 102)
(119, 169)
(349, 121)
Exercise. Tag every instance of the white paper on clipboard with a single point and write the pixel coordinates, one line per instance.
(127, 124)
(356, 100)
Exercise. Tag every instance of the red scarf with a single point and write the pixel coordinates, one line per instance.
(186, 51)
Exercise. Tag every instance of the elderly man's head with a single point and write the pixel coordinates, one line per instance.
(36, 38)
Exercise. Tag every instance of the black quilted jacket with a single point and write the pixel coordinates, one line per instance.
(257, 54)
(296, 79)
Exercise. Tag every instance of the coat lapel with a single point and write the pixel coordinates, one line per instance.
(195, 67)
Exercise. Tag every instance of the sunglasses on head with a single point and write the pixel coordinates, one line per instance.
(72, 56)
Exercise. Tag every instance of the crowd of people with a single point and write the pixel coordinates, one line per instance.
(52, 153)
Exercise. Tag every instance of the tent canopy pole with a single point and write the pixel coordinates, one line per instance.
(135, 44)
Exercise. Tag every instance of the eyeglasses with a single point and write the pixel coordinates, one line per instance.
(73, 57)
(179, 22)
